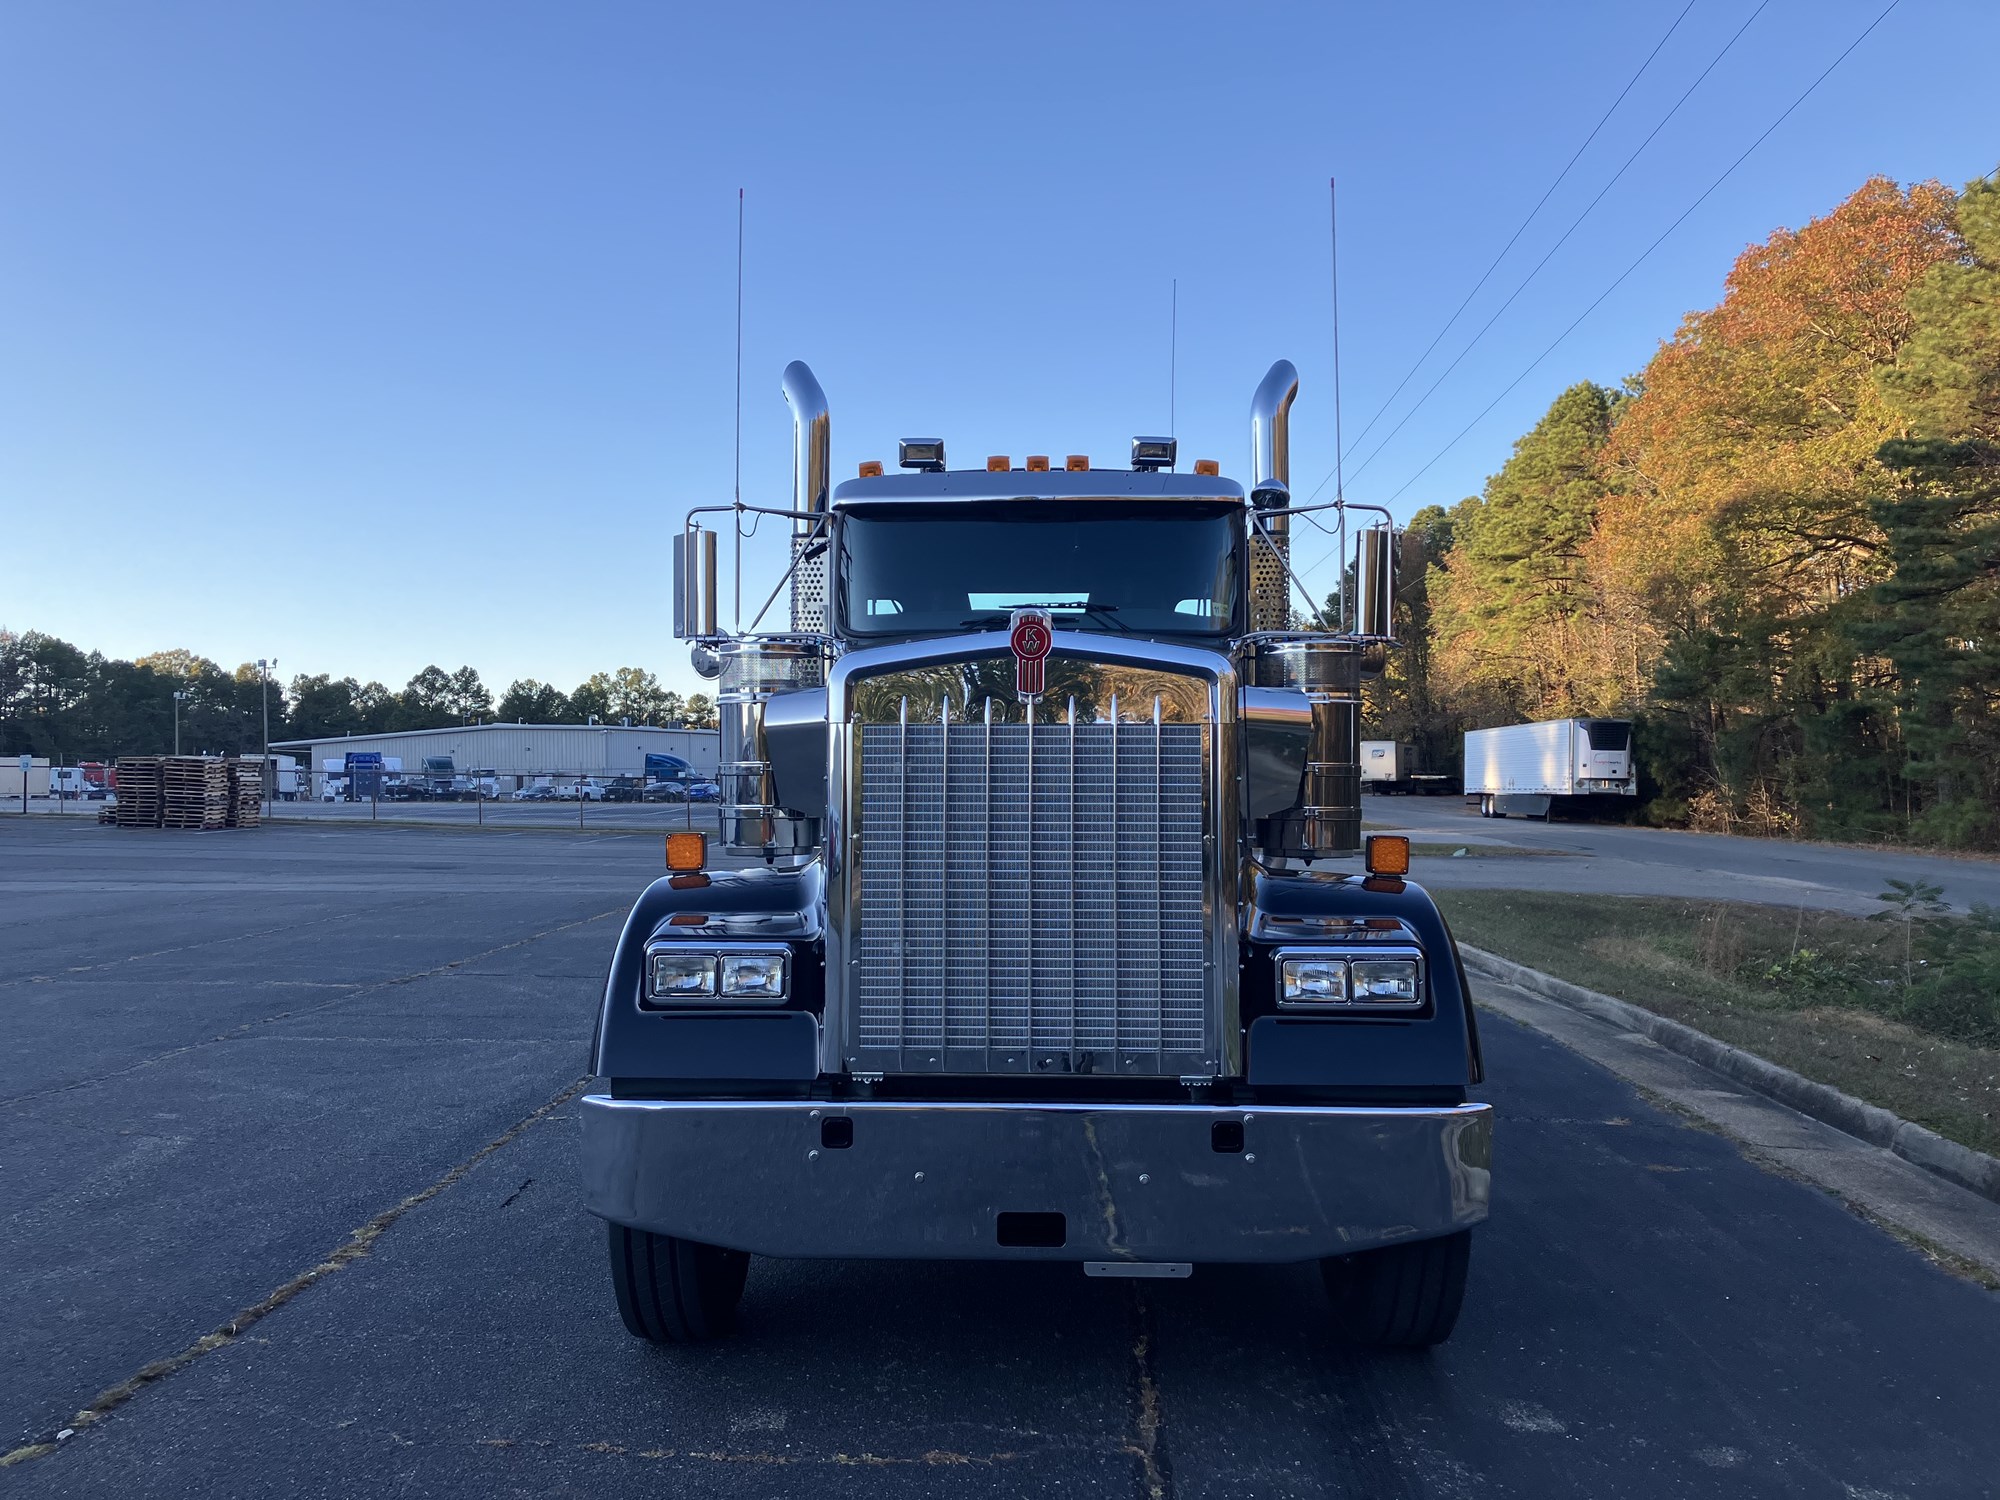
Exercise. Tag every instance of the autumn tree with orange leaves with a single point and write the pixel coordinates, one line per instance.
(1747, 534)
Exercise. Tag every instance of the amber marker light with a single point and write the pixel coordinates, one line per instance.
(1038, 463)
(871, 469)
(999, 463)
(687, 850)
(1207, 466)
(1388, 854)
(1077, 463)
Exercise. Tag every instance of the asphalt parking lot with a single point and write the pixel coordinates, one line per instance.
(322, 1074)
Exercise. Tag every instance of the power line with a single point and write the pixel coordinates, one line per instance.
(1486, 275)
(1562, 240)
(1727, 172)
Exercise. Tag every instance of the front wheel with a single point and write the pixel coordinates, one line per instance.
(1400, 1296)
(673, 1291)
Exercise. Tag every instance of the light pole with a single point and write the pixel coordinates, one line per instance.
(264, 776)
(179, 698)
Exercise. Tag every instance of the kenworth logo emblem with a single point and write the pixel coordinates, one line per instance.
(1031, 632)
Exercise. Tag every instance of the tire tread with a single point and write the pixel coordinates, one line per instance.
(674, 1291)
(1400, 1296)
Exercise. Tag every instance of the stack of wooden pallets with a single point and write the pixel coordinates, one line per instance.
(246, 792)
(139, 801)
(194, 792)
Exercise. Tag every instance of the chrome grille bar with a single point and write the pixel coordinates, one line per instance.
(1031, 897)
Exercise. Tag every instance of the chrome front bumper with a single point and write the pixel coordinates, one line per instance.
(1132, 1182)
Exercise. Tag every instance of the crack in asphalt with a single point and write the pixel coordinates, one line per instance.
(1155, 1477)
(284, 1015)
(359, 1243)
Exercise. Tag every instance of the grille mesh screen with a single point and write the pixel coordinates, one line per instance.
(1056, 926)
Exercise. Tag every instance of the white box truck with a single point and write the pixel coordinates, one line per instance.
(1536, 769)
(1392, 766)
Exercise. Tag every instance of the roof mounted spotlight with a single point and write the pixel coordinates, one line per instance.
(1150, 453)
(925, 454)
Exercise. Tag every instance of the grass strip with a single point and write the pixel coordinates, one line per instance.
(1839, 999)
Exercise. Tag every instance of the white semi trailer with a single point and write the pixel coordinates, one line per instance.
(1535, 769)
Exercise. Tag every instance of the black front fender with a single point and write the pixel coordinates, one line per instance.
(762, 1044)
(1437, 1049)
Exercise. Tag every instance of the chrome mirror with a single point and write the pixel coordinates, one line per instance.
(694, 585)
(1375, 583)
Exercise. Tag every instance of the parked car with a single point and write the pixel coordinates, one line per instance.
(665, 791)
(398, 790)
(535, 794)
(623, 789)
(703, 791)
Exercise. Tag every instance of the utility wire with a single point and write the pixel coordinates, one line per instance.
(1520, 230)
(1549, 255)
(1644, 254)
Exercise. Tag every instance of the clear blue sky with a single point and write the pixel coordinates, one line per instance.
(371, 335)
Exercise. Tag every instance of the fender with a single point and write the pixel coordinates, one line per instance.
(715, 1046)
(1433, 1054)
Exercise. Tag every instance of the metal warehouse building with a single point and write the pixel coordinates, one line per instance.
(518, 753)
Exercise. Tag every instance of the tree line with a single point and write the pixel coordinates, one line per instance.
(1776, 548)
(59, 701)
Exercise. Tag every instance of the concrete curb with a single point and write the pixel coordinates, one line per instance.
(1969, 1169)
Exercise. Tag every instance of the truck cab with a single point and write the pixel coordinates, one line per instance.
(1052, 933)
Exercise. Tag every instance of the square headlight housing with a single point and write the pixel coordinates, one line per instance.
(1386, 981)
(755, 976)
(676, 975)
(1312, 979)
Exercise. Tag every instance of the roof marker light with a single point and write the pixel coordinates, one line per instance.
(1038, 463)
(1208, 467)
(871, 468)
(1077, 463)
(999, 463)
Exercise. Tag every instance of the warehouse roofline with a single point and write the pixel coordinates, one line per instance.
(383, 734)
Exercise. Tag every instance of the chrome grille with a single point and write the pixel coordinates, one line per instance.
(1031, 899)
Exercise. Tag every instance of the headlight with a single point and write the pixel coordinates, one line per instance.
(683, 976)
(1385, 981)
(754, 976)
(1313, 981)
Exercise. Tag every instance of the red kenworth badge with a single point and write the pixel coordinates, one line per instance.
(1031, 632)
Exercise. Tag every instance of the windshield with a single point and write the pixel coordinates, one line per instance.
(1094, 565)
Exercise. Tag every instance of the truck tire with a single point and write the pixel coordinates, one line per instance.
(673, 1291)
(1401, 1296)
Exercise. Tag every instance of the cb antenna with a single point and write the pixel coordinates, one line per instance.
(1173, 355)
(739, 409)
(1339, 475)
(1333, 257)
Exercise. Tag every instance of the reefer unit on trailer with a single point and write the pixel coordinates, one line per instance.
(1533, 769)
(1047, 936)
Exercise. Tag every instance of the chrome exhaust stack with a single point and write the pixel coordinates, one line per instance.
(1325, 670)
(1271, 492)
(812, 474)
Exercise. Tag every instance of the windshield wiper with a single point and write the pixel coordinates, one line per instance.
(1099, 609)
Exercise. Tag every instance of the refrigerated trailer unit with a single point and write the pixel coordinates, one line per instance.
(1538, 769)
